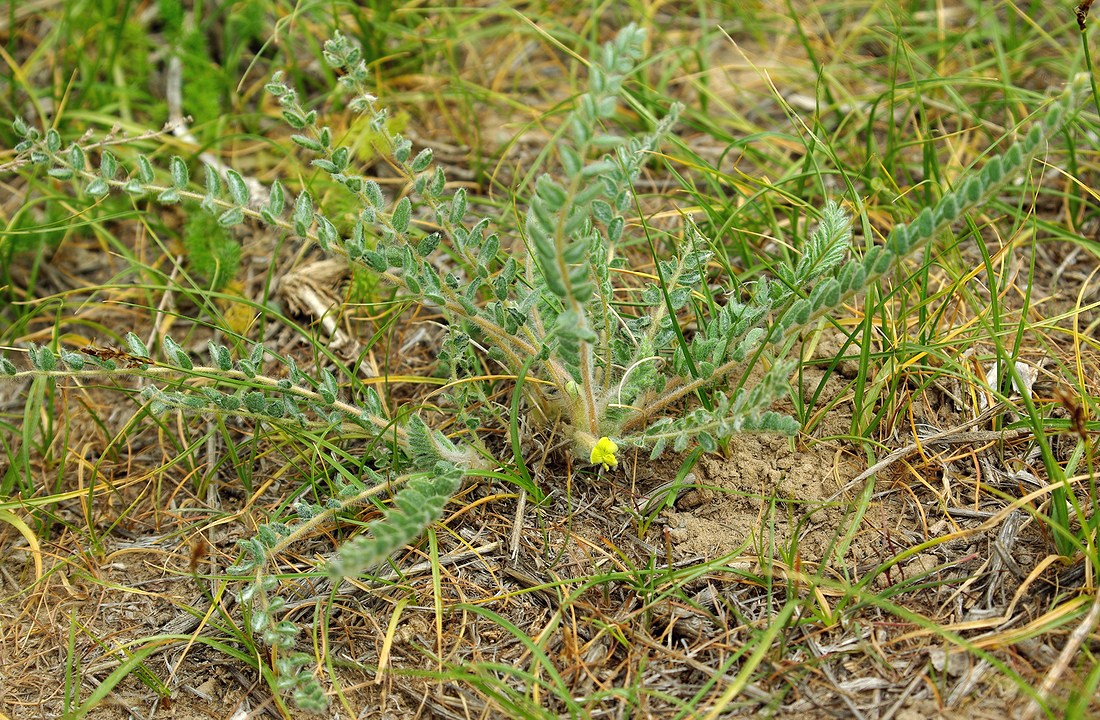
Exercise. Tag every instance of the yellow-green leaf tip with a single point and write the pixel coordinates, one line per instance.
(604, 453)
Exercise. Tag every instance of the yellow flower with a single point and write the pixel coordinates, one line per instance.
(604, 453)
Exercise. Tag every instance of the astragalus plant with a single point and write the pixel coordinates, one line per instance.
(606, 360)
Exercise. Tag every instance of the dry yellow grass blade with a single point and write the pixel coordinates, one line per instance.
(32, 541)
